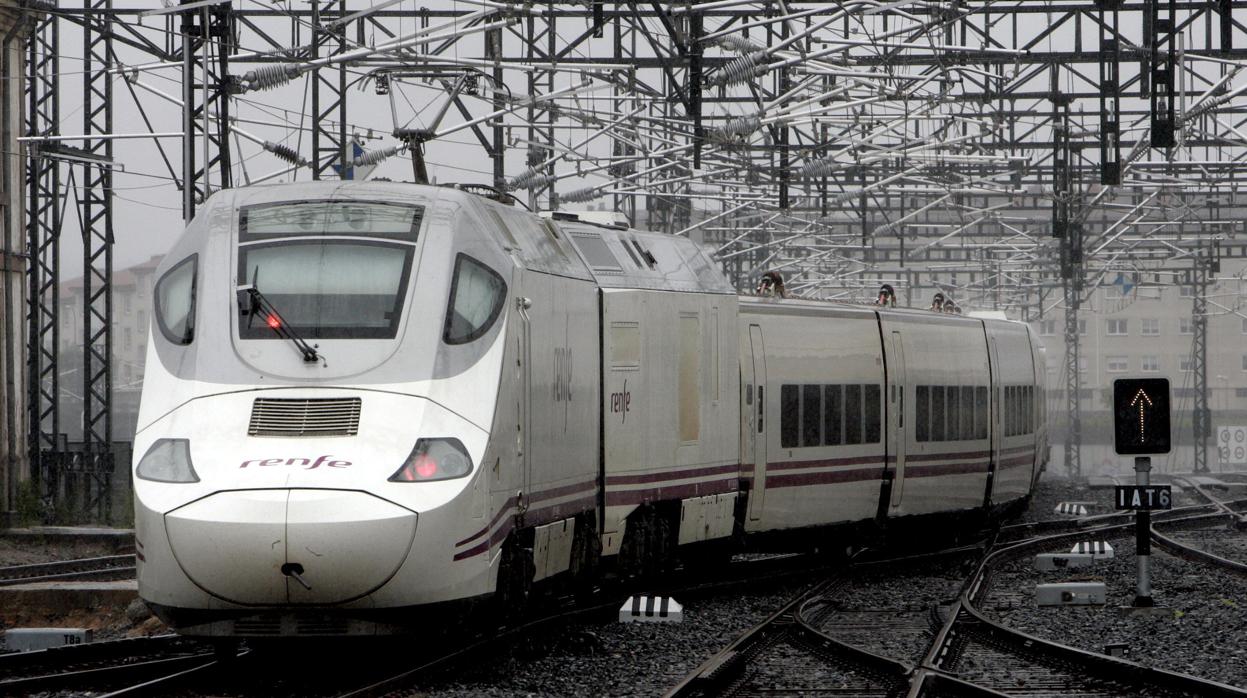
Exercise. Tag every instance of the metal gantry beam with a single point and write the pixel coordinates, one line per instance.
(94, 470)
(842, 143)
(43, 226)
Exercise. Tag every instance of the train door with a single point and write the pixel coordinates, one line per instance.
(896, 414)
(524, 355)
(757, 352)
(995, 445)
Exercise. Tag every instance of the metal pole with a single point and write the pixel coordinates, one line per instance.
(1143, 540)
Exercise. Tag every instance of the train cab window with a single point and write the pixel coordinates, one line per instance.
(477, 294)
(175, 301)
(873, 418)
(852, 414)
(332, 269)
(833, 415)
(789, 416)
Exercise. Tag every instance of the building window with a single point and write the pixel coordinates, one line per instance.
(1150, 327)
(1082, 328)
(1186, 291)
(1185, 364)
(1116, 364)
(1082, 364)
(1245, 362)
(1047, 328)
(1185, 326)
(1245, 325)
(1150, 364)
(1115, 326)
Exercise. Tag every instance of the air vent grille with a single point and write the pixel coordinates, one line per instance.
(306, 417)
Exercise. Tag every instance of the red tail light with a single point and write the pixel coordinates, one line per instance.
(434, 459)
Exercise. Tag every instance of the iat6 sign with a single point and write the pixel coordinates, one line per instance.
(1143, 497)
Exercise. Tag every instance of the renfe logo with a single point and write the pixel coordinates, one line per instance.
(621, 402)
(303, 462)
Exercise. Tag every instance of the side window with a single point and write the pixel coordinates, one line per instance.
(980, 408)
(922, 413)
(852, 414)
(968, 413)
(953, 413)
(873, 412)
(477, 294)
(833, 415)
(937, 413)
(811, 415)
(789, 416)
(175, 301)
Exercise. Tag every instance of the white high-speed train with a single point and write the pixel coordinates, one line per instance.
(367, 403)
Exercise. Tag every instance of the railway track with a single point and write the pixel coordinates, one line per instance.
(870, 651)
(171, 665)
(107, 568)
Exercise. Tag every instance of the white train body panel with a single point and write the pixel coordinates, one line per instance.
(792, 485)
(670, 404)
(487, 382)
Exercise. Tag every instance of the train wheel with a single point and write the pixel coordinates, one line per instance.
(515, 578)
(648, 549)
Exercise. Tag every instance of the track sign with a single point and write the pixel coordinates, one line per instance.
(1143, 497)
(1141, 416)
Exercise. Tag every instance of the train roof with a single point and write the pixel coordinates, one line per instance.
(823, 308)
(611, 254)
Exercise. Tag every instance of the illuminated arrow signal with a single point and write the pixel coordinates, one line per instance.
(1139, 402)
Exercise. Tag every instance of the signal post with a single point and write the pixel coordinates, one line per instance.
(1141, 429)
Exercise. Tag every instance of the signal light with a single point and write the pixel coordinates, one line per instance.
(434, 459)
(273, 321)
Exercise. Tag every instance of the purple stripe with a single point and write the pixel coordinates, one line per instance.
(963, 468)
(823, 478)
(1014, 462)
(647, 478)
(826, 463)
(473, 551)
(948, 456)
(563, 491)
(695, 489)
(555, 512)
(1019, 449)
(506, 506)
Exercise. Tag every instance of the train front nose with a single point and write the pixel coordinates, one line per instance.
(290, 546)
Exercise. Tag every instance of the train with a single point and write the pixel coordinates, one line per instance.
(372, 405)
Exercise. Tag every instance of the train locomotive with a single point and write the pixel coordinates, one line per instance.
(370, 403)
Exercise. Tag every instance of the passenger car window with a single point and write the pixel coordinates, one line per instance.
(476, 297)
(789, 414)
(175, 302)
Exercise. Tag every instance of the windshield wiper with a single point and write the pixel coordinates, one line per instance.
(250, 298)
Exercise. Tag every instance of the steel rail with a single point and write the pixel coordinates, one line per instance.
(1100, 666)
(65, 570)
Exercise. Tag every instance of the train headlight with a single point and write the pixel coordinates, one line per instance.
(434, 459)
(168, 460)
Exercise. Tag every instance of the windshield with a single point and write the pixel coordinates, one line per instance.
(328, 289)
(321, 267)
